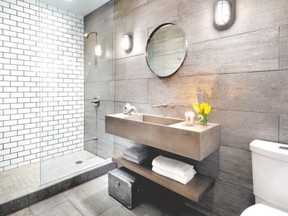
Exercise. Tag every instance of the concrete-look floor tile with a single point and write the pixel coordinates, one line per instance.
(95, 186)
(117, 211)
(189, 212)
(92, 199)
(75, 194)
(146, 209)
(47, 204)
(87, 189)
(23, 212)
(64, 209)
(91, 205)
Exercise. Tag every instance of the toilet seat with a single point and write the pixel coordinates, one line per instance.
(263, 210)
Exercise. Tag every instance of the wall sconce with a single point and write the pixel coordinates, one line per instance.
(97, 48)
(127, 42)
(224, 14)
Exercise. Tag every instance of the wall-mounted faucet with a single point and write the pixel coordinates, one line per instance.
(96, 101)
(159, 105)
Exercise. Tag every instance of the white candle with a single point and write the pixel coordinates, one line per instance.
(189, 118)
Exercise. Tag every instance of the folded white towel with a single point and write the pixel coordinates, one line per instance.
(183, 180)
(172, 166)
(190, 172)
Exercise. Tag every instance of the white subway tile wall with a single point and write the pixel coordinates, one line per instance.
(41, 82)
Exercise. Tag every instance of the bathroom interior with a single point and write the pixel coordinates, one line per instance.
(64, 73)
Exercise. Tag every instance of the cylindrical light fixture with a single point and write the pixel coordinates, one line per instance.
(98, 50)
(127, 42)
(224, 14)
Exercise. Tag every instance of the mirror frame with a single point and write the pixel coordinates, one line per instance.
(149, 40)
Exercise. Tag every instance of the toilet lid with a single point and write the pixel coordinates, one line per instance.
(263, 210)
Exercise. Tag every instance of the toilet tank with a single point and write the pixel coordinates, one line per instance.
(270, 173)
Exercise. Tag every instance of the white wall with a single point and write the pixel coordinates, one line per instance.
(41, 82)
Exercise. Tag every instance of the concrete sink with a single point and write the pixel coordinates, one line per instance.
(168, 134)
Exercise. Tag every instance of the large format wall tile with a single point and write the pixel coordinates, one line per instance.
(98, 71)
(101, 131)
(151, 15)
(105, 148)
(90, 125)
(99, 78)
(189, 86)
(187, 7)
(105, 107)
(250, 16)
(256, 51)
(164, 91)
(125, 6)
(284, 47)
(99, 19)
(238, 129)
(235, 167)
(181, 91)
(283, 131)
(225, 200)
(256, 92)
(131, 90)
(105, 90)
(132, 68)
(229, 200)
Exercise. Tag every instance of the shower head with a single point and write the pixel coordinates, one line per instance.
(97, 47)
(86, 35)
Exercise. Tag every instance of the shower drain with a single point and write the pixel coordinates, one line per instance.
(79, 162)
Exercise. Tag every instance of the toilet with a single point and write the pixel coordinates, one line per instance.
(270, 179)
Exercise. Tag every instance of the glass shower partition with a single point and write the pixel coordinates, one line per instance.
(73, 81)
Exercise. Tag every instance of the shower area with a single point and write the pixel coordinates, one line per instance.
(55, 92)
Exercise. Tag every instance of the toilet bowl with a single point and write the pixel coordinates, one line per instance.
(262, 210)
(270, 179)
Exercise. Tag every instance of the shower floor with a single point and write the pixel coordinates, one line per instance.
(30, 178)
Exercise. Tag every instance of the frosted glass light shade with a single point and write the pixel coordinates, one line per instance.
(98, 50)
(224, 14)
(127, 43)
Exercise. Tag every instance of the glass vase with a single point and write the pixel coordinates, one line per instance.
(203, 119)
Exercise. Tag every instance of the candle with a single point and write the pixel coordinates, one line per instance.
(189, 118)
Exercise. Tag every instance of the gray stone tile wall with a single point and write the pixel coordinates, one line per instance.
(99, 76)
(241, 71)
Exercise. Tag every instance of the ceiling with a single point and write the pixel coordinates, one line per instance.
(82, 7)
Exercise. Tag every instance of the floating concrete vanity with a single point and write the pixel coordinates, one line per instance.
(168, 134)
(172, 135)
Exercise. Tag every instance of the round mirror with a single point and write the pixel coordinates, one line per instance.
(166, 49)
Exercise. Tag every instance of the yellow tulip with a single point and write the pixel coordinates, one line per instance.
(207, 109)
(202, 107)
(196, 108)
